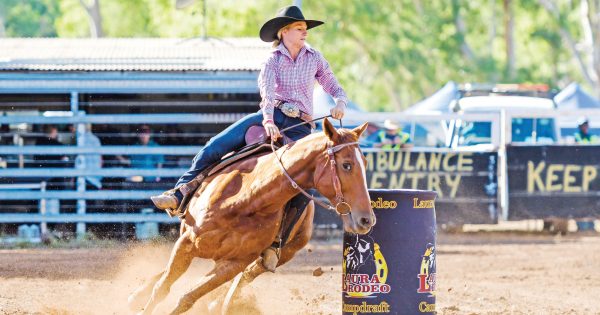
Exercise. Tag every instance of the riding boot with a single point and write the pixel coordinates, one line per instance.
(167, 200)
(270, 258)
(172, 200)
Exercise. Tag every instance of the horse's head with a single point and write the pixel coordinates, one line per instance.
(343, 178)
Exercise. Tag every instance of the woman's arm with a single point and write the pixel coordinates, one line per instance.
(266, 84)
(330, 84)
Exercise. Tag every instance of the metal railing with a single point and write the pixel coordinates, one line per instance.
(80, 171)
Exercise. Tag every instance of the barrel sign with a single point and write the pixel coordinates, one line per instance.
(391, 270)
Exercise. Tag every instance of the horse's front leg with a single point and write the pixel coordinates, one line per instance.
(300, 235)
(223, 271)
(181, 258)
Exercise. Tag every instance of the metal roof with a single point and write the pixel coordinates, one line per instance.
(128, 82)
(132, 54)
(509, 102)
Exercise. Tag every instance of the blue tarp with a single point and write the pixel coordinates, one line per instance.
(439, 102)
(573, 97)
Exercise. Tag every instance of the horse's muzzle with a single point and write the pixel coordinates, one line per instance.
(362, 224)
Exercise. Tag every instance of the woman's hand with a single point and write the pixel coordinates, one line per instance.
(338, 111)
(271, 130)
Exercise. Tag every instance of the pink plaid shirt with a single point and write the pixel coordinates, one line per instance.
(283, 79)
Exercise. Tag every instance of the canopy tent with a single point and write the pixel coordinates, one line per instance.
(439, 102)
(573, 97)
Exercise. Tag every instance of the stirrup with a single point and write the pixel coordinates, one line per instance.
(270, 258)
(188, 190)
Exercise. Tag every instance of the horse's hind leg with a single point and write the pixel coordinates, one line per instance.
(222, 272)
(181, 258)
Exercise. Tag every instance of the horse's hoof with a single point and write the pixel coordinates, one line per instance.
(270, 259)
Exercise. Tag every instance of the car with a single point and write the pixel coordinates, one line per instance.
(528, 120)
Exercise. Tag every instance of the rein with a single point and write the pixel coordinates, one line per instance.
(308, 122)
(341, 207)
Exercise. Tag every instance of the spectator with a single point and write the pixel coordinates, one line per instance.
(369, 137)
(391, 137)
(146, 161)
(52, 160)
(70, 136)
(50, 139)
(111, 136)
(91, 161)
(6, 138)
(583, 136)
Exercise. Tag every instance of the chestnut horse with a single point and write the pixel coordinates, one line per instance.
(236, 214)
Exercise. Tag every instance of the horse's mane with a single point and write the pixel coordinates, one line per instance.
(346, 135)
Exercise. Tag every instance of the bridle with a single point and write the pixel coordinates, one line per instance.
(341, 206)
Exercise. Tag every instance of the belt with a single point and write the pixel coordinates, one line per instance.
(293, 111)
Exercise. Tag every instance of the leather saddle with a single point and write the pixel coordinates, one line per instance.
(257, 143)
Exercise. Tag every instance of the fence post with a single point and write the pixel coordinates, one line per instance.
(79, 162)
(43, 210)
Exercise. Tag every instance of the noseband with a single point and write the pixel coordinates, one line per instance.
(341, 206)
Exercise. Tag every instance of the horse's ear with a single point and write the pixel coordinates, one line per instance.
(360, 129)
(329, 130)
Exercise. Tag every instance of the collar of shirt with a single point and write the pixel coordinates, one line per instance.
(284, 51)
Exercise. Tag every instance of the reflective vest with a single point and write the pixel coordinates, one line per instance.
(404, 137)
(585, 139)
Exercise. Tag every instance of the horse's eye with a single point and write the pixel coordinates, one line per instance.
(347, 166)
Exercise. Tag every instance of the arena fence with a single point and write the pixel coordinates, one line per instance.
(134, 196)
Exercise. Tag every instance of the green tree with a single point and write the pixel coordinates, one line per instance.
(386, 55)
(28, 18)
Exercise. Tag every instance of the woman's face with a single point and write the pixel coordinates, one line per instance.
(295, 34)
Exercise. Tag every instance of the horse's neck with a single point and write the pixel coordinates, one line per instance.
(299, 160)
(304, 153)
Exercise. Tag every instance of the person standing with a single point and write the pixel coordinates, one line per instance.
(583, 136)
(50, 138)
(146, 161)
(91, 161)
(391, 137)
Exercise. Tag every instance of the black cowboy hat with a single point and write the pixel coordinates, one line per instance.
(285, 16)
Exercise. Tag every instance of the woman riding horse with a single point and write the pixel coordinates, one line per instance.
(286, 83)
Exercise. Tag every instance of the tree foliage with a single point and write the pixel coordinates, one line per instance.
(388, 55)
(29, 18)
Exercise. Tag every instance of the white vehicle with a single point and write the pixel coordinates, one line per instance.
(525, 119)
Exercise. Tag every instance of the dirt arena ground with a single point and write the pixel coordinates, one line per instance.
(477, 273)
